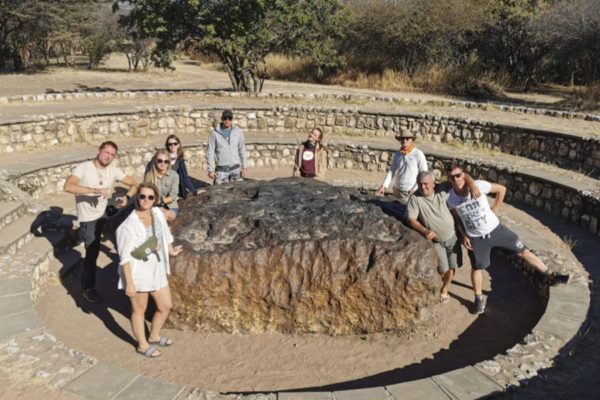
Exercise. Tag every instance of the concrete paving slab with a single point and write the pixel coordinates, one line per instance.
(15, 231)
(571, 291)
(376, 393)
(7, 208)
(466, 383)
(15, 304)
(304, 396)
(418, 390)
(149, 389)
(11, 286)
(573, 309)
(16, 323)
(558, 325)
(101, 382)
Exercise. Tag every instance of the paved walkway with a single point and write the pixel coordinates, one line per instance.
(22, 111)
(92, 379)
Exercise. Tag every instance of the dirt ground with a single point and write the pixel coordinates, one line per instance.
(449, 336)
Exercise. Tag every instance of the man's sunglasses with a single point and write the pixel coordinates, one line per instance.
(143, 197)
(455, 176)
(227, 118)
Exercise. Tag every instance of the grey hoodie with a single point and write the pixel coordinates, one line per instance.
(226, 152)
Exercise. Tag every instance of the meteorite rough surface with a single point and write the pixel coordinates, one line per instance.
(297, 255)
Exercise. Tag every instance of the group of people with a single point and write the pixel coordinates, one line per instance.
(144, 241)
(458, 207)
(143, 237)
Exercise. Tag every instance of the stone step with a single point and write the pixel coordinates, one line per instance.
(16, 235)
(10, 211)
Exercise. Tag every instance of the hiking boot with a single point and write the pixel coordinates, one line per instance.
(91, 295)
(479, 306)
(555, 278)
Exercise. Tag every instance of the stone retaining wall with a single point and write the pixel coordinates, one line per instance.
(70, 96)
(567, 151)
(562, 201)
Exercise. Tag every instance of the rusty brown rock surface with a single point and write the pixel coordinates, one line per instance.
(297, 255)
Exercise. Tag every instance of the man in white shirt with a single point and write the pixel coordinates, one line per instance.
(481, 230)
(406, 164)
(91, 183)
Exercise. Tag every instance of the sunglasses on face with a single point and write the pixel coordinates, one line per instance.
(455, 176)
(226, 118)
(172, 144)
(143, 197)
(161, 161)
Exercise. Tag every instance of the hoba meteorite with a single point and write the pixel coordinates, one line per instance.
(297, 255)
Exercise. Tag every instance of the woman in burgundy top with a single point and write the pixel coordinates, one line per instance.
(311, 157)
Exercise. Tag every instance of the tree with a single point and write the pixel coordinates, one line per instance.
(569, 33)
(241, 32)
(30, 29)
(408, 34)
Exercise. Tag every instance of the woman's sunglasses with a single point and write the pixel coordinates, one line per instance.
(161, 161)
(172, 144)
(143, 197)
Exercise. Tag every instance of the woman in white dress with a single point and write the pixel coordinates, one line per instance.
(146, 274)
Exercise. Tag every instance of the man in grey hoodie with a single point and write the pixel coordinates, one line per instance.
(226, 154)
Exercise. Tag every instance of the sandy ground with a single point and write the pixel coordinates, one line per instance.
(114, 77)
(448, 337)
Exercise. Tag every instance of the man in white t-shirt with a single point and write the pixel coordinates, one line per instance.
(406, 164)
(481, 230)
(91, 183)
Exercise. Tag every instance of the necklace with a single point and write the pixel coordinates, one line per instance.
(101, 176)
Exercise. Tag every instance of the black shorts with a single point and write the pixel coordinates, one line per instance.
(500, 237)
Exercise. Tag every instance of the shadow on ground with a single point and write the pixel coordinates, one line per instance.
(507, 319)
(575, 374)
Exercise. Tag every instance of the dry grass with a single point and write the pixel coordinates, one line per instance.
(294, 69)
(586, 98)
(460, 79)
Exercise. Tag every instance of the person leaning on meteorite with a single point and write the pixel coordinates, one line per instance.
(311, 157)
(429, 215)
(226, 151)
(406, 164)
(481, 230)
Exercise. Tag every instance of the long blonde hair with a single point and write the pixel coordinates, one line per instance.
(152, 175)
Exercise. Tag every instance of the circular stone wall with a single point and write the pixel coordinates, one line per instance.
(297, 255)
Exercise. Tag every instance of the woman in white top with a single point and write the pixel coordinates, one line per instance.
(140, 277)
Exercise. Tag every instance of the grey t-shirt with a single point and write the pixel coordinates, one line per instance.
(432, 212)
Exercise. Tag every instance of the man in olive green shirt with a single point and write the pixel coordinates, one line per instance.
(429, 215)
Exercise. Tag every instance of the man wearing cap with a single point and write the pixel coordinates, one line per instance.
(407, 163)
(226, 154)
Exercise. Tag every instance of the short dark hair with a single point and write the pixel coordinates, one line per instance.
(452, 166)
(109, 143)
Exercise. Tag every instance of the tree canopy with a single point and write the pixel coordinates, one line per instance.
(242, 32)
